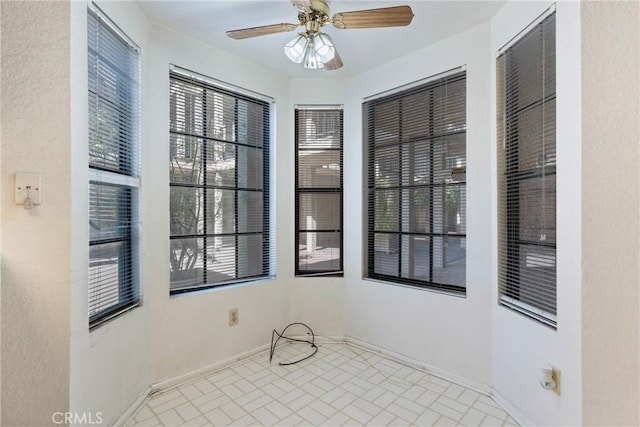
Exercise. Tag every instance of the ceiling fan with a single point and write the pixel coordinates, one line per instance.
(315, 49)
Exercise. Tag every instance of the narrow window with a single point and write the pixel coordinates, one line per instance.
(318, 190)
(527, 173)
(219, 184)
(416, 204)
(114, 143)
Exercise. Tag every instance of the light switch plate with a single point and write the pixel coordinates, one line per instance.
(28, 185)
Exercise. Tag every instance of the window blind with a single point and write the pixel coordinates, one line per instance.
(319, 196)
(527, 173)
(416, 204)
(114, 109)
(219, 185)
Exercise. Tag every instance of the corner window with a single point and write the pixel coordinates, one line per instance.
(114, 143)
(416, 170)
(219, 184)
(527, 173)
(318, 190)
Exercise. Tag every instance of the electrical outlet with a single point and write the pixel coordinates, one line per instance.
(557, 377)
(234, 317)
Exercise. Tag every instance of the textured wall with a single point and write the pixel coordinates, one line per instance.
(611, 229)
(35, 247)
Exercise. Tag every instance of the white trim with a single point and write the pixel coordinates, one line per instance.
(415, 83)
(219, 83)
(510, 409)
(208, 369)
(113, 26)
(416, 364)
(106, 177)
(176, 381)
(517, 37)
(318, 107)
(131, 411)
(529, 310)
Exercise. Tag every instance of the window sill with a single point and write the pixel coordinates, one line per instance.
(218, 288)
(459, 294)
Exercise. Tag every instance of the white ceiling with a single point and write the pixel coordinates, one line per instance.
(360, 49)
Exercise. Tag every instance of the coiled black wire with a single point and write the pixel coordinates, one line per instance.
(281, 335)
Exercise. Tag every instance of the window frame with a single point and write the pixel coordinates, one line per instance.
(511, 176)
(205, 83)
(299, 190)
(122, 175)
(370, 229)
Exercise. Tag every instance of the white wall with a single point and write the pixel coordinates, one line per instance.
(522, 346)
(443, 331)
(190, 331)
(35, 244)
(611, 278)
(109, 365)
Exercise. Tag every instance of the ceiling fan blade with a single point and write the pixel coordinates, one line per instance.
(335, 63)
(264, 30)
(396, 16)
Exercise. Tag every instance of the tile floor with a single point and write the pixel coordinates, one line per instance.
(340, 385)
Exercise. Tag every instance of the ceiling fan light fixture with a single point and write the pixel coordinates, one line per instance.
(296, 48)
(311, 59)
(312, 49)
(324, 48)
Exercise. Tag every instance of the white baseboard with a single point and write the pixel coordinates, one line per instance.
(517, 415)
(400, 358)
(208, 369)
(133, 408)
(414, 363)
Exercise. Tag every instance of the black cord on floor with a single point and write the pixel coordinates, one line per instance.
(281, 335)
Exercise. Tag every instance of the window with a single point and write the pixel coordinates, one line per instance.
(114, 110)
(416, 204)
(527, 173)
(318, 191)
(219, 184)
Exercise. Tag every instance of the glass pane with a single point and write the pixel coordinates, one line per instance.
(449, 260)
(534, 133)
(319, 251)
(386, 210)
(319, 169)
(455, 219)
(221, 116)
(386, 122)
(186, 262)
(110, 211)
(249, 211)
(319, 211)
(387, 166)
(250, 123)
(186, 160)
(186, 108)
(538, 209)
(221, 259)
(415, 210)
(221, 163)
(415, 257)
(319, 128)
(385, 248)
(251, 261)
(537, 277)
(187, 211)
(109, 268)
(250, 172)
(221, 211)
(415, 116)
